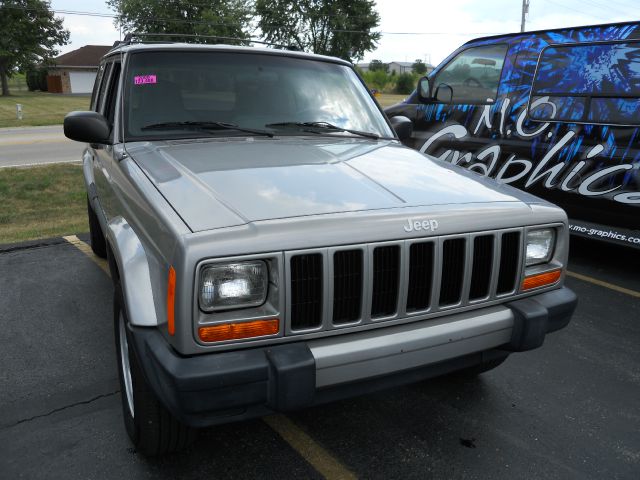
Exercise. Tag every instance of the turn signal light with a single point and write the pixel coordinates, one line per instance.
(541, 279)
(237, 331)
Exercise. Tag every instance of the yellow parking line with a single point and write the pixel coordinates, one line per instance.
(327, 465)
(86, 249)
(604, 284)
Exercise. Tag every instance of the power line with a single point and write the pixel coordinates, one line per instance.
(571, 9)
(624, 5)
(608, 8)
(582, 12)
(203, 22)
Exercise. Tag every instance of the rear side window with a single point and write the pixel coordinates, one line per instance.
(99, 105)
(588, 83)
(110, 105)
(96, 86)
(474, 74)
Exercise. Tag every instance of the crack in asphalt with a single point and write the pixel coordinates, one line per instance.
(59, 409)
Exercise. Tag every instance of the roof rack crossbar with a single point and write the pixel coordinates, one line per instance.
(132, 36)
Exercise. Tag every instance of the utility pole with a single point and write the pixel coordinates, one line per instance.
(525, 10)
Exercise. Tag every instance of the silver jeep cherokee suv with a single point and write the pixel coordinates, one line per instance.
(274, 246)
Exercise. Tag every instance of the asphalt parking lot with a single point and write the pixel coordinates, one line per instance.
(568, 410)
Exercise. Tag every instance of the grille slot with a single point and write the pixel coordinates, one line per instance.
(347, 286)
(453, 262)
(420, 276)
(386, 280)
(482, 264)
(509, 254)
(306, 291)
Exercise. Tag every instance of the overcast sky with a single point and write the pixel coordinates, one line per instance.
(444, 25)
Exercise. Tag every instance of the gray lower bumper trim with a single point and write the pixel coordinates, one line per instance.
(384, 351)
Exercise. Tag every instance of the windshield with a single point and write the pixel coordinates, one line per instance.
(247, 90)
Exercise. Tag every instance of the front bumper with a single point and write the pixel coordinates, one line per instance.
(228, 386)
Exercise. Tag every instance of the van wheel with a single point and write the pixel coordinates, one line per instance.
(151, 428)
(98, 242)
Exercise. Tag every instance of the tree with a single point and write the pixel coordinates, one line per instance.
(405, 83)
(419, 67)
(223, 18)
(30, 33)
(341, 28)
(377, 65)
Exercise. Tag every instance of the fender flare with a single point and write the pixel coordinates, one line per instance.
(133, 267)
(92, 191)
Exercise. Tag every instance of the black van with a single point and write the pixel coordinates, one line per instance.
(555, 112)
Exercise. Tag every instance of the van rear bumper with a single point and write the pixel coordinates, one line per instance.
(228, 386)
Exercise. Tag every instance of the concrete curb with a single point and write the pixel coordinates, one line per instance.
(26, 128)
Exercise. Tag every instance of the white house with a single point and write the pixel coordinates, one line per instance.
(75, 71)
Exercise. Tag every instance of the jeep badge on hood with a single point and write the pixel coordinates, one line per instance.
(417, 225)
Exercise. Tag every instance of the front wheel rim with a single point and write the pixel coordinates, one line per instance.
(126, 367)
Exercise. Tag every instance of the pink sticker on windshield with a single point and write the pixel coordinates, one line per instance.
(143, 79)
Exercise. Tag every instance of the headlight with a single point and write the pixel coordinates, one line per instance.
(540, 245)
(233, 285)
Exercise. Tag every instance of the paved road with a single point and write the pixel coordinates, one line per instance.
(34, 145)
(568, 410)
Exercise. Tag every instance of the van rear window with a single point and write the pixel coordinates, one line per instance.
(588, 83)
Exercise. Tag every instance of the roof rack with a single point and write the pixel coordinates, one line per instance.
(138, 37)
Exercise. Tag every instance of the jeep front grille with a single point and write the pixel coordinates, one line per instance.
(343, 286)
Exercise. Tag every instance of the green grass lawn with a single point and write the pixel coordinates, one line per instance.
(41, 202)
(39, 108)
(388, 99)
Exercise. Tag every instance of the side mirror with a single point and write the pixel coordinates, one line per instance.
(87, 127)
(444, 93)
(424, 89)
(402, 126)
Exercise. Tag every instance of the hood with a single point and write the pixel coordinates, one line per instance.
(215, 183)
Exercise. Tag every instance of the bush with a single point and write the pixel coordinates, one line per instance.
(42, 80)
(32, 81)
(405, 83)
(377, 79)
(37, 79)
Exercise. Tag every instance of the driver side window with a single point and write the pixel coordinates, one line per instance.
(474, 74)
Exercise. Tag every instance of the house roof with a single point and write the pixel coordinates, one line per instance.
(87, 56)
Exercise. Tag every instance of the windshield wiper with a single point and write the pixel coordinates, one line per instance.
(319, 127)
(204, 126)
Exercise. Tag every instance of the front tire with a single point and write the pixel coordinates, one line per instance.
(98, 242)
(150, 426)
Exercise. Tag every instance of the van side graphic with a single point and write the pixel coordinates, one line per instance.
(556, 113)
